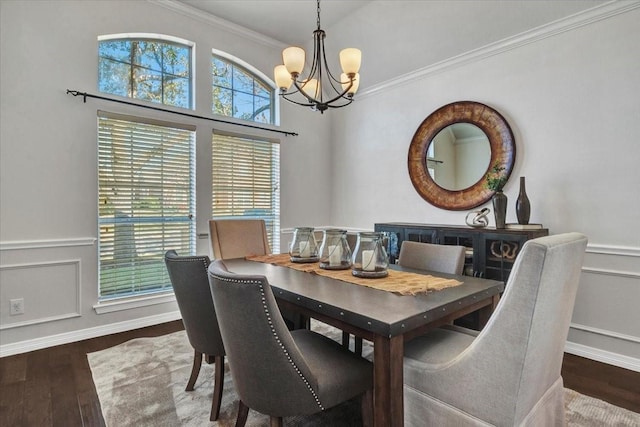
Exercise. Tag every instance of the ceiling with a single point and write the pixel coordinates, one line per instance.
(289, 21)
(396, 37)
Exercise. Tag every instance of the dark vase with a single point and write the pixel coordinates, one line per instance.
(500, 208)
(523, 207)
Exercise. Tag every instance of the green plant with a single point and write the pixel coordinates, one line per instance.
(496, 178)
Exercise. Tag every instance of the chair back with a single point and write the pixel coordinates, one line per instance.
(427, 256)
(268, 370)
(188, 276)
(238, 238)
(519, 352)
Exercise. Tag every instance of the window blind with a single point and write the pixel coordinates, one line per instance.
(246, 181)
(146, 174)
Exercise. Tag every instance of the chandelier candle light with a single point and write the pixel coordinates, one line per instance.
(319, 77)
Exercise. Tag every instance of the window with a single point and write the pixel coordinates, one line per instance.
(240, 93)
(431, 160)
(246, 181)
(147, 69)
(146, 174)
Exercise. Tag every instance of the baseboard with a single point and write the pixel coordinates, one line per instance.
(83, 334)
(603, 356)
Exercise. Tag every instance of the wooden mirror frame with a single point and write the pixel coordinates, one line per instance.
(501, 141)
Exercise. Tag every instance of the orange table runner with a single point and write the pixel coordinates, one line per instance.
(401, 282)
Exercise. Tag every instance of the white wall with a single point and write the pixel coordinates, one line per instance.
(48, 159)
(571, 95)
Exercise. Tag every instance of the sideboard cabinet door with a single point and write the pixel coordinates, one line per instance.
(469, 241)
(497, 254)
(422, 235)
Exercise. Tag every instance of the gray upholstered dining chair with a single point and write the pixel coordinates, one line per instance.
(509, 373)
(188, 275)
(239, 238)
(428, 256)
(279, 372)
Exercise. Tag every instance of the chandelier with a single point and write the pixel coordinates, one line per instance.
(320, 79)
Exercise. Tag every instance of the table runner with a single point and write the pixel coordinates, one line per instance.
(401, 282)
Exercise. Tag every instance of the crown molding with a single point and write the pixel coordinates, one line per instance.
(580, 19)
(207, 18)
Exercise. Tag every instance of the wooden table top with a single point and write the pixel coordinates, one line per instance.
(379, 312)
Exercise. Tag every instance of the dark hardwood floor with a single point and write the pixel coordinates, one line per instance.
(54, 387)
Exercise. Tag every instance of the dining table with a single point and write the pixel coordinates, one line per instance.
(386, 319)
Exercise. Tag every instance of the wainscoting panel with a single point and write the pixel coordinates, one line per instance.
(606, 321)
(50, 290)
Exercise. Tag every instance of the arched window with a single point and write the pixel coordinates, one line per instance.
(147, 67)
(241, 91)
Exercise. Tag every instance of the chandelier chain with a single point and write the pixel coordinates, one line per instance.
(318, 10)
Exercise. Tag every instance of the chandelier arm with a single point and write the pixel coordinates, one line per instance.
(320, 51)
(341, 105)
(324, 58)
(318, 35)
(296, 102)
(340, 95)
(313, 101)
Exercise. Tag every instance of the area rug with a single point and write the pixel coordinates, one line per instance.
(141, 383)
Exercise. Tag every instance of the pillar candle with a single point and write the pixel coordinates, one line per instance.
(305, 249)
(335, 255)
(368, 260)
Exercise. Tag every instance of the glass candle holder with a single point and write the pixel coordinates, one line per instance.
(369, 257)
(304, 247)
(335, 253)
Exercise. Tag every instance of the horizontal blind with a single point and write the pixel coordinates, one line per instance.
(246, 181)
(146, 174)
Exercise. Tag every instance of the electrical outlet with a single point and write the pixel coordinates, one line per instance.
(17, 306)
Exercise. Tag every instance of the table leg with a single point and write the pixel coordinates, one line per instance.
(387, 381)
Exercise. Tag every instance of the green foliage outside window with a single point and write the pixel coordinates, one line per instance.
(150, 70)
(238, 93)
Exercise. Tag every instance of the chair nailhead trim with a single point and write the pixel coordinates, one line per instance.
(190, 259)
(275, 334)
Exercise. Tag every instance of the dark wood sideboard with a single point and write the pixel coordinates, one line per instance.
(491, 252)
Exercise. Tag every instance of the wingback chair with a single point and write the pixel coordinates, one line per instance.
(428, 256)
(188, 275)
(238, 238)
(509, 373)
(279, 372)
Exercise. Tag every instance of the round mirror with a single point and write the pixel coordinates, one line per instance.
(448, 162)
(458, 156)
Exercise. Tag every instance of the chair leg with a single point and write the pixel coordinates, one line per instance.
(218, 383)
(243, 414)
(357, 343)
(195, 370)
(345, 339)
(358, 346)
(367, 408)
(276, 422)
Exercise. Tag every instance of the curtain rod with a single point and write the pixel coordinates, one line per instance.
(86, 95)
